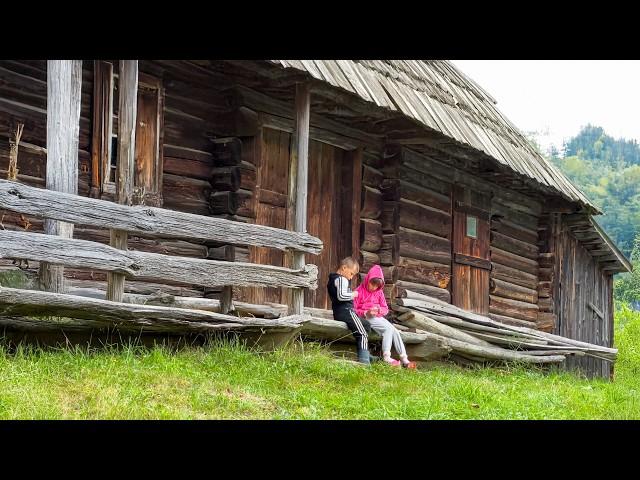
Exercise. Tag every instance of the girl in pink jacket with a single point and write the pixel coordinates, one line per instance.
(371, 304)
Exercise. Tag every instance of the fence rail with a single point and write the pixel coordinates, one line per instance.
(148, 221)
(19, 307)
(151, 266)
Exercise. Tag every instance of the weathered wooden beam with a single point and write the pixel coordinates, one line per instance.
(450, 310)
(194, 303)
(300, 191)
(423, 322)
(420, 346)
(18, 302)
(64, 84)
(148, 221)
(195, 271)
(125, 170)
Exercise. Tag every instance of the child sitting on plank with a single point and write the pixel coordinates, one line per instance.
(342, 305)
(371, 304)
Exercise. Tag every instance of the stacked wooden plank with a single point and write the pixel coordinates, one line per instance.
(477, 338)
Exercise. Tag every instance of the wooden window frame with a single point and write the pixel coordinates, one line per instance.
(102, 134)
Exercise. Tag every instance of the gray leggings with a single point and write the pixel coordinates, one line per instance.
(389, 334)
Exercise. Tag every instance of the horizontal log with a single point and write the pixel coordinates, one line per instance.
(90, 255)
(234, 177)
(518, 202)
(226, 151)
(187, 167)
(18, 302)
(545, 304)
(469, 209)
(390, 273)
(394, 190)
(512, 275)
(514, 246)
(512, 321)
(511, 342)
(418, 217)
(473, 328)
(512, 260)
(390, 250)
(419, 346)
(417, 178)
(525, 220)
(368, 260)
(546, 321)
(424, 246)
(372, 177)
(544, 289)
(439, 307)
(148, 221)
(420, 271)
(371, 206)
(504, 289)
(476, 262)
(370, 235)
(193, 303)
(397, 290)
(423, 322)
(240, 202)
(513, 308)
(546, 260)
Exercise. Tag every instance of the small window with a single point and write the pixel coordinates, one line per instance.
(114, 159)
(472, 226)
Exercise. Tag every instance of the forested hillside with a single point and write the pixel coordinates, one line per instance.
(608, 172)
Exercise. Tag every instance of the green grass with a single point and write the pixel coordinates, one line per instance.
(227, 381)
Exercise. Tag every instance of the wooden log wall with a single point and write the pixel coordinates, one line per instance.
(371, 206)
(576, 294)
(416, 225)
(194, 169)
(515, 269)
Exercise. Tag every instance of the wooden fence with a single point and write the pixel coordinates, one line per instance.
(18, 306)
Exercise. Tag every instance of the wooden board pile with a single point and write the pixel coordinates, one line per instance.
(476, 338)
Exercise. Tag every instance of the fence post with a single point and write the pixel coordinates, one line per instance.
(300, 187)
(64, 82)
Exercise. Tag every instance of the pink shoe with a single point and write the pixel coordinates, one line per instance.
(393, 362)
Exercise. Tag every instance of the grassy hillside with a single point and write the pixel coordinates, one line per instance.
(301, 382)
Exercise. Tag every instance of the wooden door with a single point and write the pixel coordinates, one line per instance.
(325, 216)
(271, 208)
(470, 250)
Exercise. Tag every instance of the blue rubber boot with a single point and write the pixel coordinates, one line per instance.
(364, 357)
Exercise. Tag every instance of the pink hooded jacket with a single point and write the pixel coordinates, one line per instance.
(366, 299)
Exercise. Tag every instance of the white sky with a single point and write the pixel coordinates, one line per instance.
(558, 97)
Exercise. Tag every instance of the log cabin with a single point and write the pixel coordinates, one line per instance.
(407, 164)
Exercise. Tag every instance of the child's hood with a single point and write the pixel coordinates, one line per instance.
(374, 272)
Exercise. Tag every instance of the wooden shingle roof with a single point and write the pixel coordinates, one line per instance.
(441, 97)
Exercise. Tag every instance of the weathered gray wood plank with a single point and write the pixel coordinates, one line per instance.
(300, 188)
(148, 221)
(125, 170)
(18, 302)
(209, 273)
(64, 83)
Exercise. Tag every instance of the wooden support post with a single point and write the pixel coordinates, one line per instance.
(299, 191)
(127, 110)
(355, 204)
(226, 297)
(64, 82)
